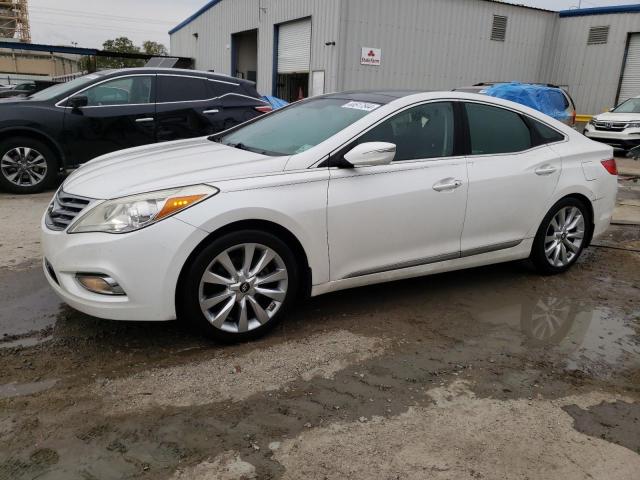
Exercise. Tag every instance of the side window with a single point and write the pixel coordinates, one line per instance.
(425, 131)
(181, 89)
(121, 91)
(496, 130)
(217, 89)
(545, 134)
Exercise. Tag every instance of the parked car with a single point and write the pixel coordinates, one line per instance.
(24, 89)
(325, 194)
(544, 97)
(68, 124)
(619, 127)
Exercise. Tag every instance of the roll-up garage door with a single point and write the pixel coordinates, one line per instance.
(631, 77)
(294, 46)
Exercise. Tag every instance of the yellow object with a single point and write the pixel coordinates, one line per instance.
(583, 118)
(174, 204)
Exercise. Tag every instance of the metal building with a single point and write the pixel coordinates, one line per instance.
(296, 48)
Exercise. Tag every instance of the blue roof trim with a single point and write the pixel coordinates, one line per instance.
(186, 22)
(48, 48)
(601, 10)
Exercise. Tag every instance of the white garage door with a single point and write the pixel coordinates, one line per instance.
(294, 47)
(631, 77)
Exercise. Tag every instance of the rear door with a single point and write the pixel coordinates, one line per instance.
(120, 113)
(512, 175)
(190, 106)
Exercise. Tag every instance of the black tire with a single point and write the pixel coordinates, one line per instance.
(538, 256)
(49, 171)
(188, 298)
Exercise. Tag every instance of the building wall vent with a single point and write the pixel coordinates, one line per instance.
(598, 35)
(499, 28)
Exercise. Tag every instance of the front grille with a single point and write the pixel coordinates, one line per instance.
(63, 209)
(610, 126)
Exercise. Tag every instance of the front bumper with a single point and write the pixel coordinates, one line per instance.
(145, 263)
(624, 140)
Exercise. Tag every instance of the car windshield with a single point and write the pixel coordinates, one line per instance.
(63, 88)
(630, 106)
(299, 127)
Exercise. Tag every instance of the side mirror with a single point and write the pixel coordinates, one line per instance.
(370, 154)
(78, 101)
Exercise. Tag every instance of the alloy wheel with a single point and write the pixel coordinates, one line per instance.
(243, 287)
(564, 236)
(24, 166)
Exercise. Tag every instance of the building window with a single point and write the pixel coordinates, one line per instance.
(499, 28)
(598, 35)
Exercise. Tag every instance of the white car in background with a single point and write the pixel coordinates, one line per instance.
(329, 193)
(619, 127)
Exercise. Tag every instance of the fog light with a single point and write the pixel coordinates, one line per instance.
(98, 283)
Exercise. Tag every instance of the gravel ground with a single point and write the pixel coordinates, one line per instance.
(488, 373)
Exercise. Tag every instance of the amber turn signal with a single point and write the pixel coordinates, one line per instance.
(174, 204)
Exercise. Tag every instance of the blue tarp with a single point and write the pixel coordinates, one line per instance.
(275, 102)
(545, 99)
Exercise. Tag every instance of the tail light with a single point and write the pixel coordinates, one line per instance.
(610, 166)
(264, 108)
(573, 118)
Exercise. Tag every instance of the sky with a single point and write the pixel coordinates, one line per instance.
(88, 23)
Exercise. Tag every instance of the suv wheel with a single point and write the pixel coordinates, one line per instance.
(26, 165)
(562, 236)
(240, 286)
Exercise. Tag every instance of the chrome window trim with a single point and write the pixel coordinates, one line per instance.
(58, 104)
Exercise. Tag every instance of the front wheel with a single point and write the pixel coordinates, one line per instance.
(561, 237)
(27, 165)
(239, 286)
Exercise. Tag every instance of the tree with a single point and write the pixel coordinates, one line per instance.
(154, 48)
(120, 45)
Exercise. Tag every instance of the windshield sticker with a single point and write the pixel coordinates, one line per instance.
(367, 107)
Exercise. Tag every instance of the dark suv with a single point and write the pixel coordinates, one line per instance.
(68, 124)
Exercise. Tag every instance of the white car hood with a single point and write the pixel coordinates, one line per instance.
(618, 117)
(166, 165)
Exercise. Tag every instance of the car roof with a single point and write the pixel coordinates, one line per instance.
(373, 96)
(176, 71)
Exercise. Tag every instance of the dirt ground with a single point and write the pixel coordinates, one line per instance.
(488, 373)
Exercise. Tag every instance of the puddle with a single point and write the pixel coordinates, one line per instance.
(9, 390)
(27, 303)
(595, 340)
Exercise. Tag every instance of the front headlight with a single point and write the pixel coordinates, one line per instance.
(592, 122)
(127, 214)
(633, 125)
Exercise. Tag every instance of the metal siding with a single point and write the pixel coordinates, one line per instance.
(441, 44)
(426, 44)
(212, 49)
(630, 86)
(591, 72)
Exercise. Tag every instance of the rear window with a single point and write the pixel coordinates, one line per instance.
(496, 130)
(181, 89)
(546, 134)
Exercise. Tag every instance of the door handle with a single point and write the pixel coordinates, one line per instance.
(447, 184)
(210, 112)
(144, 119)
(546, 170)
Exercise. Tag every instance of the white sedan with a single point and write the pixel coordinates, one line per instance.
(333, 192)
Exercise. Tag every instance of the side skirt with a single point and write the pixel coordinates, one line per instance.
(474, 258)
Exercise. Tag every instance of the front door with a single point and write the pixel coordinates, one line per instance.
(405, 214)
(120, 113)
(511, 178)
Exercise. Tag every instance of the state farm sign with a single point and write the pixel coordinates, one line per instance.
(371, 56)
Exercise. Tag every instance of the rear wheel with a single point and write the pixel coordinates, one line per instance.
(27, 165)
(240, 286)
(561, 237)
